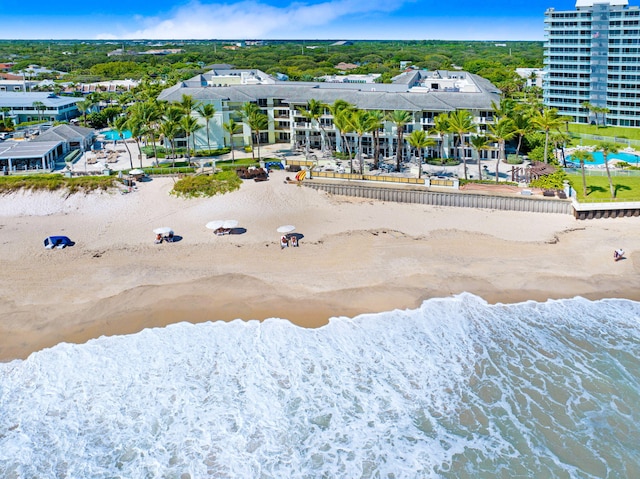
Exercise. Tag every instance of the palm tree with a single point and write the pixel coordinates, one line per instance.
(419, 140)
(187, 103)
(190, 125)
(441, 128)
(582, 156)
(170, 130)
(547, 120)
(480, 143)
(376, 124)
(40, 107)
(148, 113)
(313, 112)
(250, 110)
(603, 110)
(257, 122)
(206, 111)
(559, 139)
(522, 126)
(84, 107)
(400, 118)
(232, 128)
(136, 127)
(119, 125)
(501, 131)
(337, 108)
(460, 123)
(361, 123)
(342, 121)
(607, 148)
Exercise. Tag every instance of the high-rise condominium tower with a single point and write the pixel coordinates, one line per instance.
(592, 62)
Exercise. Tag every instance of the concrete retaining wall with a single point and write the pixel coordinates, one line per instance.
(468, 200)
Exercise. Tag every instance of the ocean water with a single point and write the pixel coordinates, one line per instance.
(457, 388)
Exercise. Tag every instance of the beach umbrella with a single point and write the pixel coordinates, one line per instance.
(215, 224)
(286, 229)
(136, 171)
(229, 224)
(163, 230)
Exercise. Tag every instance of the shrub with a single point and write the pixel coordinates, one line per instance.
(203, 185)
(218, 152)
(513, 159)
(443, 161)
(554, 181)
(54, 182)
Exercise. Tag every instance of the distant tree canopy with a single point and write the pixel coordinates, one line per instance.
(83, 60)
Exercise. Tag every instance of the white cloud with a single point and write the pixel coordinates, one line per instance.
(249, 19)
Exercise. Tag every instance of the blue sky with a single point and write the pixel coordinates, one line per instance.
(278, 19)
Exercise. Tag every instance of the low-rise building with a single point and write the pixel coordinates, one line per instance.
(424, 94)
(73, 137)
(29, 155)
(32, 106)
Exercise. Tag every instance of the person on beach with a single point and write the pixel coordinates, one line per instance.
(284, 242)
(618, 254)
(158, 239)
(294, 241)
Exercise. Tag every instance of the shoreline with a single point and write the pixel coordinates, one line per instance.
(356, 256)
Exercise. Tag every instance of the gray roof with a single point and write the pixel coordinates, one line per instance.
(65, 133)
(367, 97)
(26, 149)
(377, 96)
(26, 99)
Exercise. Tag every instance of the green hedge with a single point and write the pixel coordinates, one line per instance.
(443, 162)
(182, 152)
(72, 156)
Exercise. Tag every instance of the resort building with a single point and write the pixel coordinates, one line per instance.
(72, 137)
(32, 106)
(592, 56)
(29, 155)
(424, 94)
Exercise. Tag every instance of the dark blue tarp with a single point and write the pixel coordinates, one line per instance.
(57, 242)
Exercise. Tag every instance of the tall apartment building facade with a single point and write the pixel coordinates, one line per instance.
(592, 55)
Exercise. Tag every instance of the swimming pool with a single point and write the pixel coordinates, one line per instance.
(599, 160)
(113, 135)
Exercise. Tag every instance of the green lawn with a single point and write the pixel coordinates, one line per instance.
(627, 188)
(610, 131)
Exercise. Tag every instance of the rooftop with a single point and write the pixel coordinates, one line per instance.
(15, 150)
(26, 99)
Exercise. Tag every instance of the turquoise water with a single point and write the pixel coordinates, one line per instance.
(113, 135)
(599, 159)
(457, 388)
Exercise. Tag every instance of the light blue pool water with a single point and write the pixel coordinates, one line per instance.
(599, 160)
(113, 135)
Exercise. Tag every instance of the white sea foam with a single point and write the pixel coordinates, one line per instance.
(457, 388)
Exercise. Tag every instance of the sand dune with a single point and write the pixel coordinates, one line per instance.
(355, 256)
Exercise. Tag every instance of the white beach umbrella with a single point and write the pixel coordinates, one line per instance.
(163, 230)
(215, 224)
(286, 229)
(136, 171)
(229, 224)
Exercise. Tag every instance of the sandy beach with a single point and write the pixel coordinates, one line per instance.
(355, 256)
